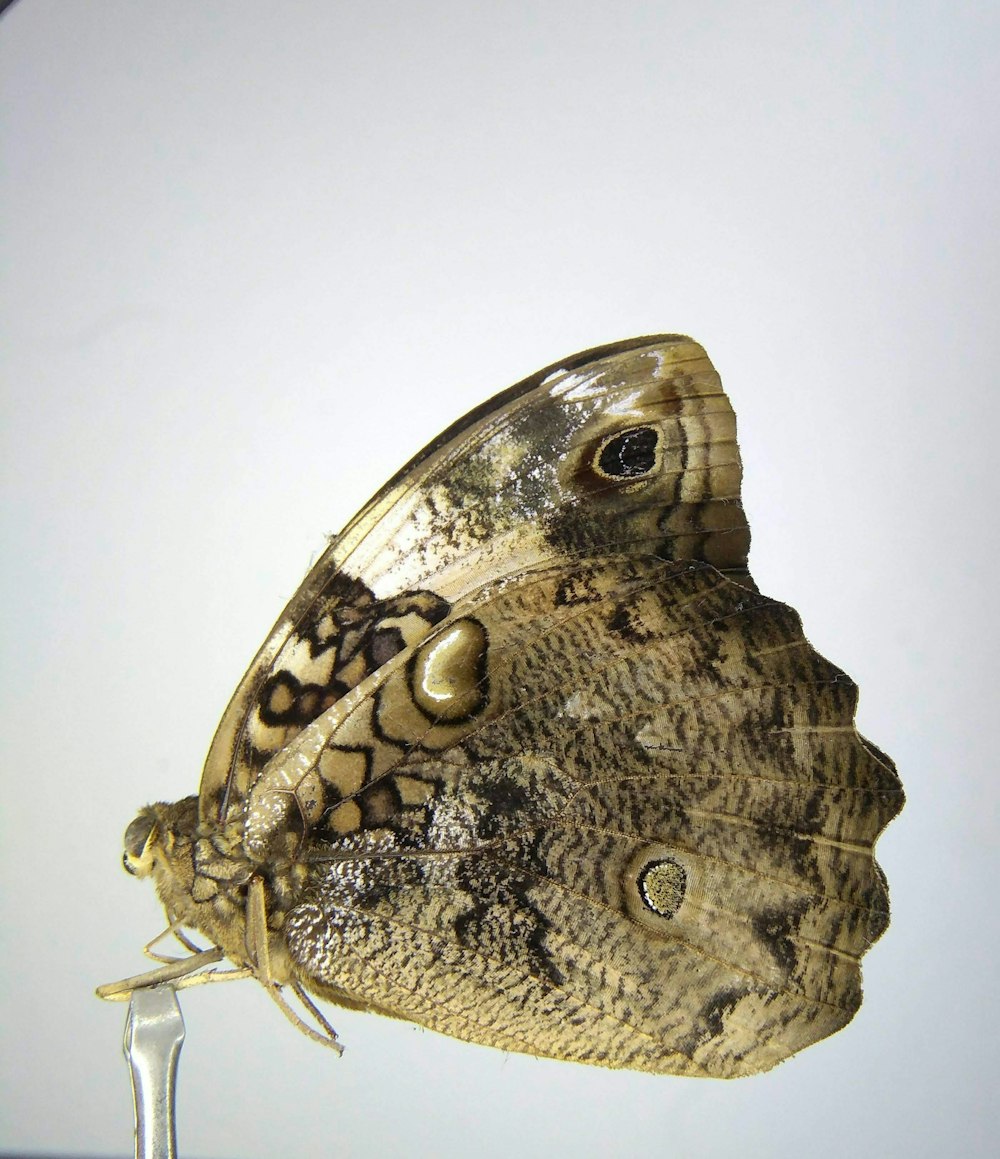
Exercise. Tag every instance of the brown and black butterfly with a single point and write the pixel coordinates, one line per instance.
(529, 760)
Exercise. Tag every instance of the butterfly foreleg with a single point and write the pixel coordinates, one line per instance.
(259, 954)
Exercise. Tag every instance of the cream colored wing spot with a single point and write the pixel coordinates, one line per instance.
(346, 818)
(280, 699)
(448, 677)
(345, 770)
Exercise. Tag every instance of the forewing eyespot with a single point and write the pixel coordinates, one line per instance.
(628, 455)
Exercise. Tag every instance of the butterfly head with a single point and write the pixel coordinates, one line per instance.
(159, 836)
(202, 873)
(163, 843)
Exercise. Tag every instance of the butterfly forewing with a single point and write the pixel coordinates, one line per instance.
(627, 449)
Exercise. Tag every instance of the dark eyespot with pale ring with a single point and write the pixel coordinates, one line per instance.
(629, 455)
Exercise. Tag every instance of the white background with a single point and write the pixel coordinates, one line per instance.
(256, 254)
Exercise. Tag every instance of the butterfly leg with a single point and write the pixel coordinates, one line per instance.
(258, 951)
(173, 930)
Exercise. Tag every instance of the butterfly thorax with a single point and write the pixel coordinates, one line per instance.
(203, 874)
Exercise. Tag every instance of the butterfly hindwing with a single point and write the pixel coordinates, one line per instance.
(645, 841)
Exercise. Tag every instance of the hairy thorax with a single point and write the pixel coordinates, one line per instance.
(203, 877)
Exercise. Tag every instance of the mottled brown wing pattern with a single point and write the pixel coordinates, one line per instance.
(648, 845)
(625, 448)
(530, 761)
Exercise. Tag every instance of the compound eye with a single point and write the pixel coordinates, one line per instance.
(138, 855)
